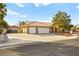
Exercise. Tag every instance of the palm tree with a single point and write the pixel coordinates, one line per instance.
(21, 23)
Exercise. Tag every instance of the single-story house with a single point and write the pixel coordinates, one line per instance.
(12, 29)
(77, 28)
(36, 28)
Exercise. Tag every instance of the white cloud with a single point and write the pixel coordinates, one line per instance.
(77, 7)
(46, 4)
(37, 4)
(20, 5)
(15, 13)
(41, 4)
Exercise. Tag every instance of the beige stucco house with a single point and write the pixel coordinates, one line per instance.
(36, 28)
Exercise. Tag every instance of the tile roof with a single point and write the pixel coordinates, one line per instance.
(36, 24)
(13, 26)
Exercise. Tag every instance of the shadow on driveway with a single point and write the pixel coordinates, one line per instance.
(56, 48)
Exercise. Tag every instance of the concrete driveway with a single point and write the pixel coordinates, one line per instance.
(41, 37)
(47, 45)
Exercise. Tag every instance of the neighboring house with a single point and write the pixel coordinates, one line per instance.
(12, 29)
(36, 27)
(77, 28)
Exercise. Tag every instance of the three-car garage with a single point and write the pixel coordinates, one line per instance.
(38, 30)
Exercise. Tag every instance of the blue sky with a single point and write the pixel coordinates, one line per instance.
(40, 11)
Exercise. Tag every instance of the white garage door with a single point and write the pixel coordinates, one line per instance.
(32, 30)
(43, 30)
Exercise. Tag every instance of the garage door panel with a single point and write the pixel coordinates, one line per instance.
(43, 30)
(32, 30)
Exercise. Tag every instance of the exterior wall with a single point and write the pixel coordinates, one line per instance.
(27, 30)
(35, 29)
(20, 30)
(24, 30)
(51, 29)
